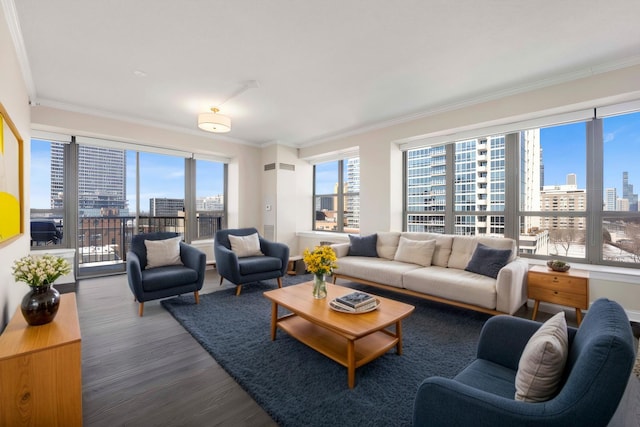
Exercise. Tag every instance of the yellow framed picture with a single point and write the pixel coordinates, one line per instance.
(11, 185)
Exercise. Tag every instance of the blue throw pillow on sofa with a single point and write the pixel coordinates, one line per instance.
(363, 246)
(488, 261)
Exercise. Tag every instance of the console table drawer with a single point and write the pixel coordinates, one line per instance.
(576, 285)
(578, 300)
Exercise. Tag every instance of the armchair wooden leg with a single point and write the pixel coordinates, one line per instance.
(197, 296)
(141, 309)
(279, 282)
(221, 280)
(238, 289)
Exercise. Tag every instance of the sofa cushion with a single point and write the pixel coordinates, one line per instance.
(159, 278)
(363, 245)
(245, 246)
(444, 243)
(415, 251)
(163, 252)
(462, 251)
(378, 270)
(488, 261)
(453, 284)
(258, 264)
(542, 362)
(387, 244)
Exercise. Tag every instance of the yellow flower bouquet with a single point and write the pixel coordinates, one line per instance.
(320, 261)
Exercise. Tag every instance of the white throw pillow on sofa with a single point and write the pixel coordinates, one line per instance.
(245, 246)
(163, 252)
(415, 251)
(542, 362)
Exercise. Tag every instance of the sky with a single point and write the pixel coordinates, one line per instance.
(563, 153)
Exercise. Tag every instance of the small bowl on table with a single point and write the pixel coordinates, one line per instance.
(556, 265)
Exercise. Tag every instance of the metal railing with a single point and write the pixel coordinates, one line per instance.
(106, 240)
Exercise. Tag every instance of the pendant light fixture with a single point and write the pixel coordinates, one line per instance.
(219, 123)
(214, 122)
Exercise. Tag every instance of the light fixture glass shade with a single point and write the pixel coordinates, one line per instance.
(214, 122)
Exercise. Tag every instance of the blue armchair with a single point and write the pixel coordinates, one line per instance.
(601, 356)
(242, 270)
(161, 282)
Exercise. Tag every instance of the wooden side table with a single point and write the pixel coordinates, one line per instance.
(41, 370)
(570, 288)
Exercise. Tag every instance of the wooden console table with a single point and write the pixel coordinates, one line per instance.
(570, 288)
(41, 370)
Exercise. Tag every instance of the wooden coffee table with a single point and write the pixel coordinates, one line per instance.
(352, 340)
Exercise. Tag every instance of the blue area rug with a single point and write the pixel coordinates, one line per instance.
(298, 386)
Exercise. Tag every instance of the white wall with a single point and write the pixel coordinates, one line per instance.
(13, 95)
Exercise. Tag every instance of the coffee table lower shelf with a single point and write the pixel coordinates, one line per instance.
(350, 353)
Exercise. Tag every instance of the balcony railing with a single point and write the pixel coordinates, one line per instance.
(106, 240)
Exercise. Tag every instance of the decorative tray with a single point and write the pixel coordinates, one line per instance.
(334, 307)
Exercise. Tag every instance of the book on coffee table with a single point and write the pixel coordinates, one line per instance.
(356, 299)
(334, 304)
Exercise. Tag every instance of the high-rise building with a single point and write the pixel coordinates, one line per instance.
(563, 198)
(572, 179)
(102, 182)
(627, 192)
(610, 199)
(165, 206)
(352, 198)
(479, 185)
(622, 205)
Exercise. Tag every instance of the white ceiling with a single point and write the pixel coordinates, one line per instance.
(324, 68)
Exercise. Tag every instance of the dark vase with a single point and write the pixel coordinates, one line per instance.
(40, 305)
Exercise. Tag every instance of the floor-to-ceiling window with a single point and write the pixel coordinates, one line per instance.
(572, 185)
(113, 190)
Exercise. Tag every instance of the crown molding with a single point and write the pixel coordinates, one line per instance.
(11, 16)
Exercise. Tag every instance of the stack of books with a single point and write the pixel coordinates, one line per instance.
(355, 302)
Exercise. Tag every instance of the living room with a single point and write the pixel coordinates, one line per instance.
(608, 77)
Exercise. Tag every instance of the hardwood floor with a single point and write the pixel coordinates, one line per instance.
(149, 371)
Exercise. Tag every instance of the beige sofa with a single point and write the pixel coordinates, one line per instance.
(442, 278)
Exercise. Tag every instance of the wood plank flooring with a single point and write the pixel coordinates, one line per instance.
(149, 371)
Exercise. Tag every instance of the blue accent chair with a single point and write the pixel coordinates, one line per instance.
(601, 357)
(239, 271)
(166, 281)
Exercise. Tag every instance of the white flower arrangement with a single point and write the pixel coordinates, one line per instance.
(40, 270)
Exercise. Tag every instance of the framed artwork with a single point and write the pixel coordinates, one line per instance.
(11, 185)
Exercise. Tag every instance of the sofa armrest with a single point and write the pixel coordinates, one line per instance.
(134, 275)
(341, 249)
(511, 286)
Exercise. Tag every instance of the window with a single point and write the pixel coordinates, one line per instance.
(47, 193)
(337, 196)
(426, 171)
(111, 191)
(621, 171)
(575, 196)
(209, 198)
(553, 172)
